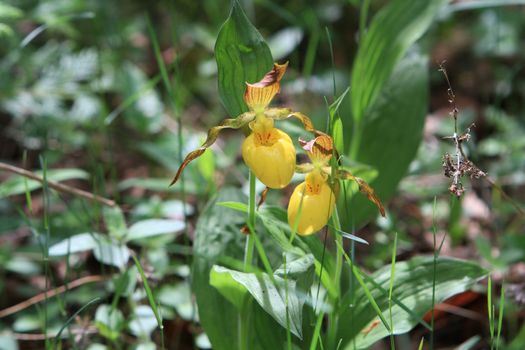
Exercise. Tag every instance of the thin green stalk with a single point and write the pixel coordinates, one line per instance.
(317, 331)
(68, 322)
(334, 316)
(357, 273)
(490, 310)
(45, 249)
(288, 333)
(151, 300)
(250, 241)
(500, 316)
(392, 274)
(248, 260)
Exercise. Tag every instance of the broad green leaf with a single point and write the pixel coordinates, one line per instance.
(111, 253)
(23, 265)
(10, 12)
(218, 235)
(269, 295)
(226, 284)
(242, 56)
(8, 341)
(179, 297)
(143, 321)
(115, 222)
(391, 135)
(109, 322)
(17, 184)
(393, 30)
(78, 243)
(412, 296)
(154, 227)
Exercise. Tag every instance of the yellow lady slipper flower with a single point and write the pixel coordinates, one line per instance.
(268, 151)
(311, 204)
(313, 201)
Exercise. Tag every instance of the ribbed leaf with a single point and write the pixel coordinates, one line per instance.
(218, 235)
(412, 297)
(269, 295)
(392, 32)
(391, 135)
(242, 56)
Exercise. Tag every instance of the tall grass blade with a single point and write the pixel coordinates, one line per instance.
(392, 274)
(151, 298)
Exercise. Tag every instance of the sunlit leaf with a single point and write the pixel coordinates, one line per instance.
(412, 296)
(269, 295)
(78, 243)
(242, 56)
(154, 227)
(391, 135)
(393, 30)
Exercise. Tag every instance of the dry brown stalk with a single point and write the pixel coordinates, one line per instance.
(57, 186)
(51, 293)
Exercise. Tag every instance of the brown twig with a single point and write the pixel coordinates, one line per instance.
(51, 293)
(42, 336)
(57, 186)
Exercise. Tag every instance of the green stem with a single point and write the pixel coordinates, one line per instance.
(250, 242)
(334, 316)
(248, 260)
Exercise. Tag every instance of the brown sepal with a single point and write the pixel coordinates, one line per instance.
(213, 133)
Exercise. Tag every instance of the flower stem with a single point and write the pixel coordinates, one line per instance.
(250, 242)
(334, 316)
(244, 315)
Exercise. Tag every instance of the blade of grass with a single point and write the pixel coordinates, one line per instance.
(316, 337)
(288, 332)
(151, 300)
(421, 344)
(359, 279)
(65, 325)
(392, 274)
(436, 255)
(45, 248)
(500, 316)
(244, 315)
(490, 311)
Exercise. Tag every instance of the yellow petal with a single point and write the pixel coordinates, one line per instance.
(315, 209)
(259, 95)
(273, 160)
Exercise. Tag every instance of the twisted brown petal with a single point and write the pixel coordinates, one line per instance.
(364, 188)
(213, 133)
(285, 113)
(319, 149)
